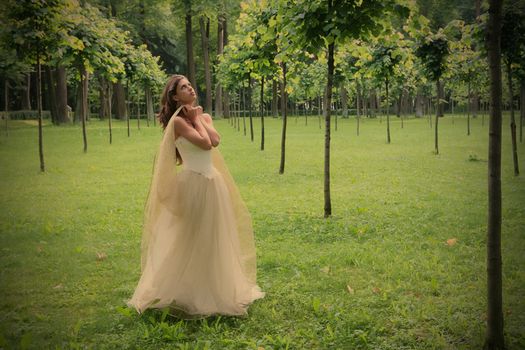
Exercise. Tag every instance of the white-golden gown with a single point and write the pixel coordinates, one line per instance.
(198, 251)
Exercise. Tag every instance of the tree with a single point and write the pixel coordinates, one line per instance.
(36, 28)
(385, 58)
(494, 339)
(433, 52)
(317, 25)
(512, 49)
(97, 44)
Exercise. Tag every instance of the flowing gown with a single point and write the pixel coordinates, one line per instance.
(198, 252)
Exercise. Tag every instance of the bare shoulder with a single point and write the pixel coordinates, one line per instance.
(180, 126)
(207, 118)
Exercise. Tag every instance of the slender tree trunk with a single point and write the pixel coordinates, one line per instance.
(6, 106)
(225, 93)
(274, 98)
(250, 107)
(51, 94)
(220, 50)
(244, 108)
(522, 107)
(138, 111)
(189, 48)
(26, 96)
(262, 114)
(419, 105)
(494, 339)
(329, 84)
(61, 95)
(39, 108)
(512, 122)
(121, 110)
(438, 90)
(319, 109)
(387, 109)
(284, 108)
(468, 108)
(84, 103)
(344, 101)
(204, 23)
(103, 97)
(109, 114)
(358, 106)
(149, 104)
(475, 102)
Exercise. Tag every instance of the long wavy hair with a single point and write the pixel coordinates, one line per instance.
(169, 105)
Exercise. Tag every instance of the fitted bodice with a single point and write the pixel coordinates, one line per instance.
(194, 158)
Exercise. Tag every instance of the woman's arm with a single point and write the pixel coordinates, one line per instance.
(215, 138)
(196, 134)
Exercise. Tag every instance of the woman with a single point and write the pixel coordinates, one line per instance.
(198, 252)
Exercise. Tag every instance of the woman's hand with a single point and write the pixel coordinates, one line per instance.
(192, 113)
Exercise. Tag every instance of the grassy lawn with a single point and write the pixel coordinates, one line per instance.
(400, 265)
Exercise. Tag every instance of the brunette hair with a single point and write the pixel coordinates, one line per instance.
(168, 104)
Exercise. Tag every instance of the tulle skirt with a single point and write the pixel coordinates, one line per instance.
(195, 258)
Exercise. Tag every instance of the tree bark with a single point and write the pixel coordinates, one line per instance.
(121, 110)
(274, 99)
(26, 96)
(284, 108)
(244, 108)
(51, 94)
(522, 107)
(149, 104)
(39, 108)
(250, 106)
(468, 108)
(204, 23)
(103, 97)
(358, 106)
(438, 110)
(344, 101)
(61, 95)
(220, 50)
(225, 93)
(494, 339)
(84, 103)
(6, 106)
(329, 84)
(109, 114)
(512, 122)
(189, 47)
(387, 110)
(262, 114)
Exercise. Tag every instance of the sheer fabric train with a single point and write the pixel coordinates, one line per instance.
(198, 250)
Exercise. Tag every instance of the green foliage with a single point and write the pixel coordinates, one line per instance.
(314, 24)
(433, 52)
(513, 33)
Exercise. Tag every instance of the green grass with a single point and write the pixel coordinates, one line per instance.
(379, 274)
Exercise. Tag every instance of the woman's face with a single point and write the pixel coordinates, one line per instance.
(184, 94)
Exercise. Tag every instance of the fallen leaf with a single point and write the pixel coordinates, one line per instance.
(451, 241)
(350, 289)
(101, 256)
(58, 286)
